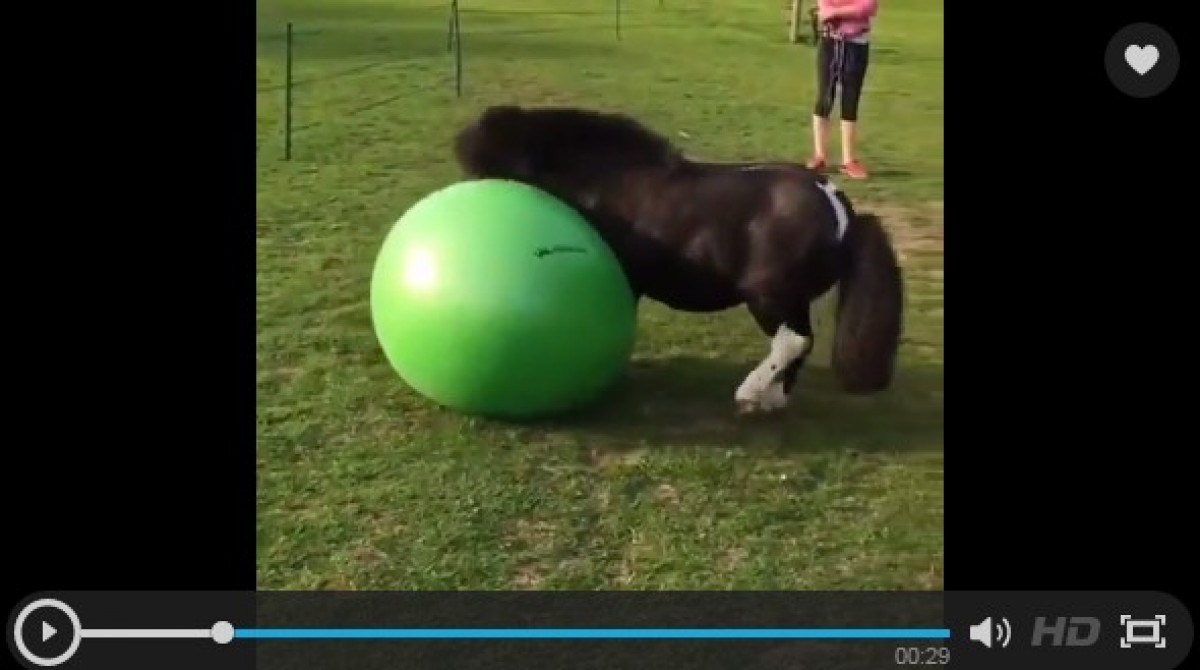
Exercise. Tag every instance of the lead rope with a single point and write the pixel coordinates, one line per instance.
(836, 64)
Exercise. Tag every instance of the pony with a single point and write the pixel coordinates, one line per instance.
(706, 237)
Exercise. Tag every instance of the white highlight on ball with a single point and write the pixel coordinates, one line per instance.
(420, 269)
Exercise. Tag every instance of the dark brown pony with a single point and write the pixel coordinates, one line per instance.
(703, 237)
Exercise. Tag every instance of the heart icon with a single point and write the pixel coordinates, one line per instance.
(1141, 59)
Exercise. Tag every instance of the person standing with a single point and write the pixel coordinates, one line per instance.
(842, 57)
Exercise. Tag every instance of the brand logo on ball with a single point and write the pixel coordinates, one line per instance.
(542, 252)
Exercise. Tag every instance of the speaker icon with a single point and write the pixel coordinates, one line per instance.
(986, 632)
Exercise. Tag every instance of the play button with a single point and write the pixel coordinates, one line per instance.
(46, 633)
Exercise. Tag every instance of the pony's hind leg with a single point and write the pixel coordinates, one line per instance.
(768, 386)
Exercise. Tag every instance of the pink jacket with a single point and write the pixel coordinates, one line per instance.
(849, 18)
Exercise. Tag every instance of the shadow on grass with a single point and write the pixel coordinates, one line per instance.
(391, 43)
(391, 49)
(311, 13)
(327, 76)
(688, 401)
(279, 35)
(890, 172)
(468, 12)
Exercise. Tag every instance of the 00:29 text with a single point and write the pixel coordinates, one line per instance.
(922, 655)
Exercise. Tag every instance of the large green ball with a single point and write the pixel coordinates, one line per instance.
(494, 298)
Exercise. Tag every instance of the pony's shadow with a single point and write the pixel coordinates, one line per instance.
(688, 402)
(889, 172)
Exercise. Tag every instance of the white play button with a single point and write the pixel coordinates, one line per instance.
(46, 633)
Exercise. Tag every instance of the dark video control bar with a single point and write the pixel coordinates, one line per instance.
(1098, 630)
(612, 631)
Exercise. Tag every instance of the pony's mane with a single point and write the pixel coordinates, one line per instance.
(553, 138)
(582, 132)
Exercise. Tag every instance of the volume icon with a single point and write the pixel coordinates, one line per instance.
(986, 632)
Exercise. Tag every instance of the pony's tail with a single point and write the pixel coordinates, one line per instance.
(870, 308)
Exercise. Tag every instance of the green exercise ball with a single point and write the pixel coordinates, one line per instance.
(494, 298)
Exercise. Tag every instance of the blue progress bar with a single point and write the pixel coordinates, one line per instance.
(592, 633)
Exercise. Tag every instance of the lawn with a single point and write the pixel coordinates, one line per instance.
(362, 484)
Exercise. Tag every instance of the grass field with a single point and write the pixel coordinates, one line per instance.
(364, 485)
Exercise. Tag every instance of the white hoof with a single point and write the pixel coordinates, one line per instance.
(772, 399)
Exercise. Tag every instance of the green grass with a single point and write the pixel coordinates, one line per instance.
(364, 485)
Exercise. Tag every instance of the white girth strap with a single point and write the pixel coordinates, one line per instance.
(839, 210)
(830, 191)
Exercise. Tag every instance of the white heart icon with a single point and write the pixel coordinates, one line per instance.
(1141, 59)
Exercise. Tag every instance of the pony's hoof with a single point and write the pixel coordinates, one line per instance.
(747, 407)
(754, 408)
(770, 401)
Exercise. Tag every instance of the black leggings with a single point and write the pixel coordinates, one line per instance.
(845, 63)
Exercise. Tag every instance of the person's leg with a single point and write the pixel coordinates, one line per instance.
(854, 73)
(826, 83)
(820, 131)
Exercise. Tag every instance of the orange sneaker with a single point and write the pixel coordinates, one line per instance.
(854, 170)
(816, 163)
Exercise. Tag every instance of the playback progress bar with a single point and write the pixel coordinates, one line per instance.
(592, 633)
(48, 632)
